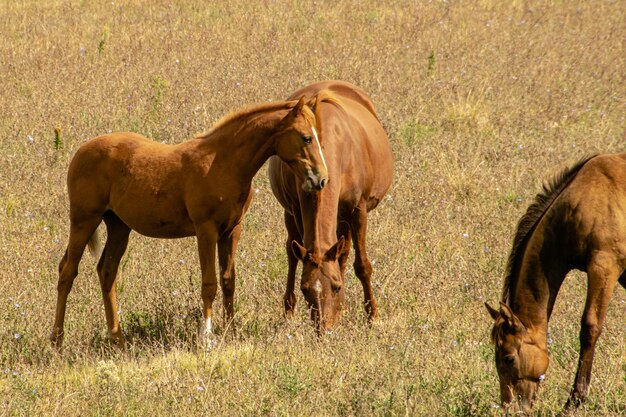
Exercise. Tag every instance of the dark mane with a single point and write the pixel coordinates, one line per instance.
(551, 190)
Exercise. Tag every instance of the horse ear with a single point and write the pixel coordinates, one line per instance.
(312, 103)
(289, 118)
(510, 318)
(298, 250)
(492, 311)
(334, 251)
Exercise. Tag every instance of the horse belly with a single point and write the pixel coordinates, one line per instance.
(154, 217)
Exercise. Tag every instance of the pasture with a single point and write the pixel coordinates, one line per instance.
(482, 101)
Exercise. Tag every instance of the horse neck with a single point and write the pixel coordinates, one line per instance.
(244, 144)
(540, 276)
(319, 217)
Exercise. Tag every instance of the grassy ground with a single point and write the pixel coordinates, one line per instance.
(482, 100)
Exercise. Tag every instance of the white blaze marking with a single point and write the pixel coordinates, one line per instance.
(317, 287)
(319, 146)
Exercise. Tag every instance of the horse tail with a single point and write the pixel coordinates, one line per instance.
(94, 245)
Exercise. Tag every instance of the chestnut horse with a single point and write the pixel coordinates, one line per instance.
(200, 188)
(578, 222)
(320, 225)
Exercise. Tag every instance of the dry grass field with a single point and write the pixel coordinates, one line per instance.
(483, 101)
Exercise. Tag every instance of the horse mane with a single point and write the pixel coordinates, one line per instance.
(253, 110)
(535, 212)
(324, 96)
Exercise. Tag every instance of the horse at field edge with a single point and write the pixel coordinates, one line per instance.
(320, 225)
(201, 187)
(578, 222)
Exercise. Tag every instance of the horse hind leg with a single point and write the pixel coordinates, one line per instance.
(115, 247)
(80, 234)
(362, 265)
(226, 247)
(602, 275)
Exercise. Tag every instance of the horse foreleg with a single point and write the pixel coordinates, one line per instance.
(622, 279)
(80, 233)
(602, 274)
(362, 265)
(343, 229)
(289, 299)
(117, 241)
(207, 240)
(226, 247)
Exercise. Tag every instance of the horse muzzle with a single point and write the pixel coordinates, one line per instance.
(314, 183)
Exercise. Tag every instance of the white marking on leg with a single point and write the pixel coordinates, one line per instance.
(207, 329)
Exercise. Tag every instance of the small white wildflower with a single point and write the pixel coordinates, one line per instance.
(200, 388)
(389, 198)
(175, 293)
(30, 139)
(81, 52)
(520, 146)
(181, 261)
(17, 336)
(178, 61)
(465, 235)
(46, 228)
(541, 378)
(256, 191)
(17, 305)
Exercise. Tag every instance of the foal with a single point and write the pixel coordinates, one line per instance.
(578, 222)
(200, 188)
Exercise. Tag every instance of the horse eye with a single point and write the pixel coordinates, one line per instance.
(509, 360)
(336, 289)
(307, 139)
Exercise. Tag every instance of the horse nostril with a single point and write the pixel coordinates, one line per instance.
(323, 183)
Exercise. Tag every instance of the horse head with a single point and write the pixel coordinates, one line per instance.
(297, 144)
(520, 361)
(322, 284)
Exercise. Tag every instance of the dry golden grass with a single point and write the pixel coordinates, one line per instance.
(482, 101)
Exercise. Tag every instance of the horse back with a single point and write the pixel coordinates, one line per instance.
(592, 209)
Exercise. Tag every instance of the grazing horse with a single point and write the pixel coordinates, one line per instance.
(320, 225)
(578, 222)
(196, 188)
